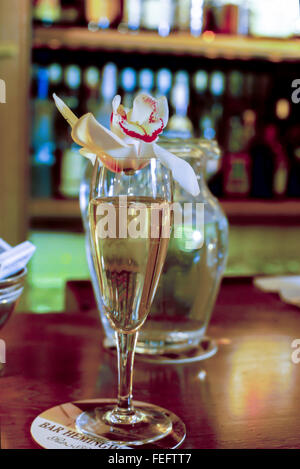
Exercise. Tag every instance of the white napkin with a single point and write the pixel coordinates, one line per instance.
(12, 260)
(132, 136)
(4, 246)
(288, 287)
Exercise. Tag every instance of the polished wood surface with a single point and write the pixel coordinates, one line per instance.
(248, 399)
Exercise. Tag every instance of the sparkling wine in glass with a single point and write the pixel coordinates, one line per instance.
(130, 219)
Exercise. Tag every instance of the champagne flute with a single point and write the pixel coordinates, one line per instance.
(130, 221)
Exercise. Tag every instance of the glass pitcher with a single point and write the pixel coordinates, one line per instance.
(193, 270)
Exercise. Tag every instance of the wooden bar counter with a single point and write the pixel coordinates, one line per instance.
(250, 397)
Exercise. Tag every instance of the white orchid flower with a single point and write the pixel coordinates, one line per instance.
(131, 138)
(145, 121)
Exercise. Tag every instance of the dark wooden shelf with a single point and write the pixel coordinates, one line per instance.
(261, 208)
(54, 209)
(211, 46)
(69, 209)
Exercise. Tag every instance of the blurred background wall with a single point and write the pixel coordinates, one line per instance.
(15, 52)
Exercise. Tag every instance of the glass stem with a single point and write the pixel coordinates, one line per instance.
(124, 411)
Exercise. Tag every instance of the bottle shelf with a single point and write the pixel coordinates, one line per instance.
(210, 45)
(261, 209)
(54, 208)
(42, 209)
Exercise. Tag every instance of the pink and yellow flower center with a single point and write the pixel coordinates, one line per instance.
(145, 121)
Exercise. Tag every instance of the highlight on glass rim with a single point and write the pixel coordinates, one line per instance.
(149, 226)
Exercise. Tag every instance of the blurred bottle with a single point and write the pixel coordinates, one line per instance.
(183, 15)
(197, 17)
(212, 124)
(282, 112)
(234, 17)
(72, 12)
(209, 99)
(292, 145)
(72, 170)
(275, 139)
(103, 14)
(270, 165)
(132, 14)
(281, 165)
(91, 89)
(42, 139)
(180, 125)
(199, 96)
(158, 15)
(55, 71)
(69, 167)
(297, 25)
(226, 16)
(46, 12)
(249, 89)
(67, 88)
(207, 125)
(128, 82)
(145, 81)
(71, 86)
(235, 90)
(234, 103)
(33, 82)
(237, 160)
(217, 87)
(229, 19)
(108, 90)
(261, 98)
(211, 12)
(163, 83)
(273, 18)
(263, 163)
(244, 17)
(56, 84)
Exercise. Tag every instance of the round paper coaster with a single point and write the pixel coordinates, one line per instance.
(207, 348)
(56, 428)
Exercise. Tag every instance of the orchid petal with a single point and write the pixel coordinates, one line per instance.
(143, 107)
(88, 131)
(116, 103)
(65, 110)
(181, 170)
(147, 133)
(87, 154)
(146, 150)
(163, 110)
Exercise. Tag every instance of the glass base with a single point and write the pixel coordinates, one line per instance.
(148, 425)
(206, 348)
(169, 336)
